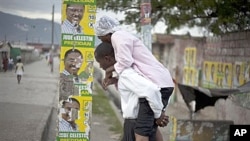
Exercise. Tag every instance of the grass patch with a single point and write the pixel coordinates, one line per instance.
(101, 106)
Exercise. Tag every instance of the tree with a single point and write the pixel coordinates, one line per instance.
(216, 16)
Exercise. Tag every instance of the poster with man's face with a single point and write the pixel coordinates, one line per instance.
(238, 74)
(78, 18)
(246, 72)
(228, 73)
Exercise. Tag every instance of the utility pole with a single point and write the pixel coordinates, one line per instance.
(51, 57)
(52, 30)
(146, 23)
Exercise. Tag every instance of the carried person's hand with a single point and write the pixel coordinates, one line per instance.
(162, 121)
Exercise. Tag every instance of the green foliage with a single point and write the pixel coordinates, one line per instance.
(216, 16)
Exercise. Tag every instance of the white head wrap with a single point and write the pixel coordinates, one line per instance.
(106, 25)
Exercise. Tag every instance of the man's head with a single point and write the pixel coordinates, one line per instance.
(104, 55)
(104, 28)
(70, 109)
(73, 61)
(75, 13)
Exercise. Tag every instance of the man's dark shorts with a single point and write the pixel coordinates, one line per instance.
(145, 123)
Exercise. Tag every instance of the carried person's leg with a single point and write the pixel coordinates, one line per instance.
(165, 95)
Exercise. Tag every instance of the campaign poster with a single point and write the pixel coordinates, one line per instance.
(76, 70)
(205, 78)
(145, 13)
(190, 76)
(212, 74)
(227, 77)
(219, 75)
(186, 57)
(246, 72)
(238, 74)
(190, 57)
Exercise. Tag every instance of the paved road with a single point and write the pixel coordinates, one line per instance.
(26, 107)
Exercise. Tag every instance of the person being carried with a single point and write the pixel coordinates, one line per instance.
(131, 86)
(131, 52)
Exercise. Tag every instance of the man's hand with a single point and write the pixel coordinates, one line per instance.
(109, 81)
(163, 120)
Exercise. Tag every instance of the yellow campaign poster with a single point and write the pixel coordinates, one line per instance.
(190, 57)
(238, 74)
(86, 64)
(193, 80)
(192, 54)
(186, 57)
(219, 75)
(76, 69)
(78, 19)
(211, 74)
(246, 72)
(227, 77)
(205, 79)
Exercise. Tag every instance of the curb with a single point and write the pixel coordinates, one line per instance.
(41, 133)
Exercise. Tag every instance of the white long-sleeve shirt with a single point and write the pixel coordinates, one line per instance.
(133, 86)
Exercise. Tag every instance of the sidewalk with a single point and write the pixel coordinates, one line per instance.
(25, 108)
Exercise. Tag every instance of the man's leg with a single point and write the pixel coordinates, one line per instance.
(144, 127)
(128, 130)
(159, 136)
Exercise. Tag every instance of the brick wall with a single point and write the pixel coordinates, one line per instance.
(227, 51)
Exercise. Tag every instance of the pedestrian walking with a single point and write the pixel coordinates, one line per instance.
(11, 63)
(5, 63)
(19, 70)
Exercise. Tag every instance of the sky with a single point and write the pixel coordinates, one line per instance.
(39, 9)
(43, 9)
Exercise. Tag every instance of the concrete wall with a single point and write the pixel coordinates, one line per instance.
(231, 49)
